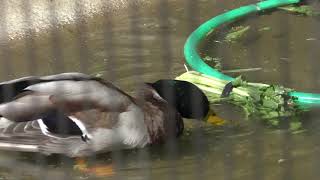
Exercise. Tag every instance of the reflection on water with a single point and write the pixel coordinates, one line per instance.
(240, 150)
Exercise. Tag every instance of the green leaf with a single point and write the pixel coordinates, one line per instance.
(214, 60)
(295, 125)
(236, 33)
(304, 10)
(266, 28)
(273, 122)
(270, 104)
(238, 82)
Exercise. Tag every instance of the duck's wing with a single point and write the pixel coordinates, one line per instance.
(23, 136)
(35, 97)
(31, 137)
(42, 104)
(45, 136)
(10, 89)
(78, 95)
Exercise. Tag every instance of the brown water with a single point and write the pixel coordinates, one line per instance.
(139, 51)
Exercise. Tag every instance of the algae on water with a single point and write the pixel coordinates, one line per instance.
(303, 10)
(236, 33)
(215, 61)
(266, 28)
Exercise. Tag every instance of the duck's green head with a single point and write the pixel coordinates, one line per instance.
(188, 99)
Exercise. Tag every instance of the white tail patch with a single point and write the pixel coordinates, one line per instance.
(44, 129)
(81, 126)
(4, 122)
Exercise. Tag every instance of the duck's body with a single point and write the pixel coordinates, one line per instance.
(78, 115)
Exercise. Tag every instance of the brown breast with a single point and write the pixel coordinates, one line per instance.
(161, 119)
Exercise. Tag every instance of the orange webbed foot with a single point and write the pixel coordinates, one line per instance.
(97, 170)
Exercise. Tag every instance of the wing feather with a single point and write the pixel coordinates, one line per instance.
(28, 137)
(74, 94)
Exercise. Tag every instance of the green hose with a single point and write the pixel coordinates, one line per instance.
(196, 62)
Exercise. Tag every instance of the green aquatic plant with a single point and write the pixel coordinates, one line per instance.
(266, 28)
(269, 102)
(236, 33)
(215, 61)
(303, 10)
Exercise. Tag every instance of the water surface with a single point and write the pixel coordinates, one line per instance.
(145, 44)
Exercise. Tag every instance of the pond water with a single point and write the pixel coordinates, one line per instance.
(145, 43)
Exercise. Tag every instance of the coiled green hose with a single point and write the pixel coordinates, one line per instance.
(193, 59)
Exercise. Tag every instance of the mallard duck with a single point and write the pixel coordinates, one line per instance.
(79, 115)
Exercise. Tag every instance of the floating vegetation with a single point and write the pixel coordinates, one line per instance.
(266, 28)
(269, 102)
(215, 61)
(236, 33)
(303, 10)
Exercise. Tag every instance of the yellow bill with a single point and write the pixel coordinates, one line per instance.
(213, 119)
